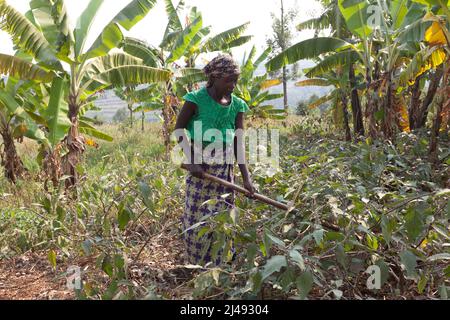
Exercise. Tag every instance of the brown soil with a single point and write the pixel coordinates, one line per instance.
(30, 277)
(161, 264)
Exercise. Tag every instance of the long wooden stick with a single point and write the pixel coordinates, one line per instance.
(257, 196)
(242, 190)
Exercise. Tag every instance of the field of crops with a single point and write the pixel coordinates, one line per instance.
(91, 210)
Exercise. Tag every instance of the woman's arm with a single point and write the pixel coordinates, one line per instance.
(239, 151)
(187, 112)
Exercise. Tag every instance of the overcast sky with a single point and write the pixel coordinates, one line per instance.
(219, 14)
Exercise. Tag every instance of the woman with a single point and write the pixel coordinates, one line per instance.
(211, 107)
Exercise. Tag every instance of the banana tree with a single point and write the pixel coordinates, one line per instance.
(130, 94)
(140, 100)
(338, 97)
(333, 56)
(45, 120)
(434, 55)
(151, 102)
(18, 104)
(254, 89)
(350, 44)
(392, 35)
(372, 51)
(26, 111)
(192, 40)
(156, 58)
(331, 19)
(355, 14)
(45, 34)
(186, 42)
(15, 122)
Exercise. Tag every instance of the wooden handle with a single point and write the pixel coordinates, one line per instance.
(258, 196)
(242, 190)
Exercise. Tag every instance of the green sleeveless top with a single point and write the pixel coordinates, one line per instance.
(212, 115)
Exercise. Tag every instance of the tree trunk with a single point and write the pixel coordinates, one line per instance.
(389, 119)
(283, 47)
(434, 158)
(143, 119)
(358, 125)
(75, 144)
(190, 64)
(418, 118)
(348, 135)
(371, 107)
(442, 103)
(11, 162)
(372, 103)
(414, 105)
(285, 97)
(169, 117)
(51, 168)
(130, 108)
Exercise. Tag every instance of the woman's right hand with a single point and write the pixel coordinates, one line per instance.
(196, 170)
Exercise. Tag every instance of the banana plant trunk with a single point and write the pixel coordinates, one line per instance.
(75, 145)
(358, 125)
(143, 120)
(285, 96)
(435, 132)
(166, 125)
(418, 113)
(348, 135)
(283, 45)
(190, 64)
(442, 103)
(414, 104)
(388, 123)
(51, 167)
(130, 108)
(169, 117)
(12, 164)
(371, 107)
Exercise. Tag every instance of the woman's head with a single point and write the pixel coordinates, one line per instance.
(222, 72)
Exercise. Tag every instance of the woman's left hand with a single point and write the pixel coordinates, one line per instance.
(248, 184)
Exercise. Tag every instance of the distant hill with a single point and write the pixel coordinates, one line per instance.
(110, 103)
(297, 94)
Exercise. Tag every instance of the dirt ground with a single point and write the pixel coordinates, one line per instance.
(31, 277)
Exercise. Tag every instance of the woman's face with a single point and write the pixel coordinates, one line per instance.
(227, 84)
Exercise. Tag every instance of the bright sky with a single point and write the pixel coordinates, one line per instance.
(219, 14)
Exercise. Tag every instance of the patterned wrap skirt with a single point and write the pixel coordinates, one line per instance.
(197, 213)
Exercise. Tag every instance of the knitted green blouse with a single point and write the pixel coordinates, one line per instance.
(212, 115)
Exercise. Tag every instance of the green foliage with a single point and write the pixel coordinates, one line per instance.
(121, 115)
(358, 204)
(254, 89)
(385, 205)
(388, 207)
(303, 106)
(281, 38)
